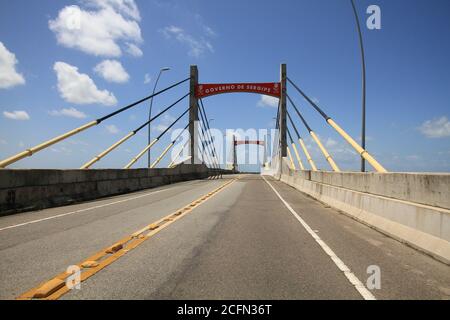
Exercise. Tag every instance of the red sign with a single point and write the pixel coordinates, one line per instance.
(269, 89)
(260, 143)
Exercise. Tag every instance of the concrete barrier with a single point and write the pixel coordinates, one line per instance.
(26, 190)
(411, 207)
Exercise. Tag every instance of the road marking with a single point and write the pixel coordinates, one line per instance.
(84, 210)
(107, 256)
(365, 293)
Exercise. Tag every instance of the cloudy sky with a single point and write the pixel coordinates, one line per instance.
(64, 63)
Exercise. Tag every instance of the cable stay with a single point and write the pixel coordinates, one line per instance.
(206, 121)
(29, 152)
(174, 161)
(136, 159)
(291, 160)
(128, 136)
(327, 156)
(294, 147)
(158, 160)
(361, 151)
(302, 143)
(206, 151)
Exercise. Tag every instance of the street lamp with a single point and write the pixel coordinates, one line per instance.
(363, 62)
(150, 115)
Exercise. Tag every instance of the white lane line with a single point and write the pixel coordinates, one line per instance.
(365, 293)
(83, 210)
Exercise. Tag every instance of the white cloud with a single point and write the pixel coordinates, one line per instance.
(3, 141)
(16, 115)
(8, 74)
(166, 121)
(268, 101)
(160, 128)
(75, 142)
(100, 29)
(112, 129)
(134, 50)
(197, 47)
(437, 128)
(331, 143)
(147, 78)
(79, 88)
(127, 7)
(112, 71)
(71, 112)
(61, 149)
(207, 29)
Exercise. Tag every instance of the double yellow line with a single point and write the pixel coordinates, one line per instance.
(56, 287)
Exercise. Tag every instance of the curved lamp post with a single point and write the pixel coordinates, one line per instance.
(150, 116)
(363, 61)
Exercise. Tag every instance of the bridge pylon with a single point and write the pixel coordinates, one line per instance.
(283, 109)
(193, 116)
(235, 164)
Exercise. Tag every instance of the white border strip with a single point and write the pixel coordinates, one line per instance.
(365, 293)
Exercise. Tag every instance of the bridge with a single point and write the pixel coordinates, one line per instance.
(198, 228)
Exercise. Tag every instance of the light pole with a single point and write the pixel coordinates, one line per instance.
(363, 61)
(150, 116)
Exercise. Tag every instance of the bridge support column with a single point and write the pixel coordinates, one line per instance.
(283, 108)
(235, 166)
(193, 116)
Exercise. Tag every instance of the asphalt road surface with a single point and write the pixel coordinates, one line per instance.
(254, 239)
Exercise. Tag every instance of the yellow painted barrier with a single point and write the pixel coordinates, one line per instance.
(308, 156)
(31, 151)
(325, 152)
(135, 159)
(298, 156)
(374, 163)
(107, 151)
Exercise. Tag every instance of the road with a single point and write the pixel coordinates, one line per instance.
(252, 239)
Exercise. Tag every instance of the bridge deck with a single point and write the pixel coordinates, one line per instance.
(244, 243)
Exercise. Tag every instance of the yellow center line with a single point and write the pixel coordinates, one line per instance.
(53, 290)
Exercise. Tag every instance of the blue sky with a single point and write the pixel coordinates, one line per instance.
(61, 79)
